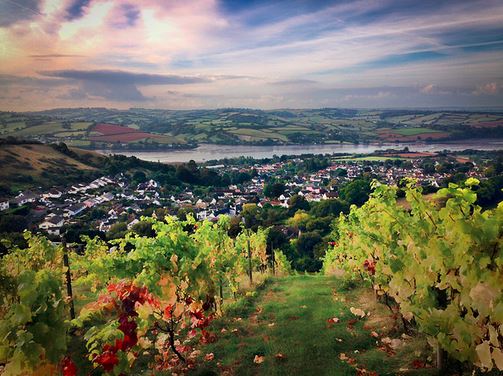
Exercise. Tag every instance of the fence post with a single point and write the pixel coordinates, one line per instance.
(249, 261)
(69, 290)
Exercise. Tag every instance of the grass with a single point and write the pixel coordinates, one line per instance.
(43, 129)
(256, 134)
(289, 317)
(414, 131)
(371, 159)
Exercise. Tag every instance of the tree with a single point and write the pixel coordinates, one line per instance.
(297, 202)
(139, 177)
(331, 207)
(250, 214)
(143, 228)
(356, 192)
(274, 190)
(117, 230)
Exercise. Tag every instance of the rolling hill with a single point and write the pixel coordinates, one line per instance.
(28, 164)
(145, 129)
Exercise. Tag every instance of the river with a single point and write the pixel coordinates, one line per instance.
(206, 152)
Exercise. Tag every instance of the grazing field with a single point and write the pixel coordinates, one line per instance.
(414, 131)
(411, 134)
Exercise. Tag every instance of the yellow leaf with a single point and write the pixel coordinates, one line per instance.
(484, 353)
(174, 260)
(357, 312)
(493, 336)
(259, 359)
(408, 316)
(498, 358)
(179, 309)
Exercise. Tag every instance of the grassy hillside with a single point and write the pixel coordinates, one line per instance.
(28, 165)
(151, 129)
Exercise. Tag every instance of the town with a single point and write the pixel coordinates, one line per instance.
(112, 200)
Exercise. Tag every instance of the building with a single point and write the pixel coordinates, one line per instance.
(24, 198)
(75, 209)
(52, 225)
(4, 204)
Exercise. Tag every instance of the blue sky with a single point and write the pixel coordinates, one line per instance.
(260, 54)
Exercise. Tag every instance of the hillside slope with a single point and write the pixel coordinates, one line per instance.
(31, 164)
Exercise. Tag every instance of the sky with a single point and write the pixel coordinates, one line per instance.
(186, 54)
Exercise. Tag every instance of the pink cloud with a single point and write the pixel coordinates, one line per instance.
(491, 88)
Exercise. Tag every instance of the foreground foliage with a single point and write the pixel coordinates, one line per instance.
(442, 263)
(151, 299)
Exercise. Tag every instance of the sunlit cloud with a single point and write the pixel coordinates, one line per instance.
(264, 54)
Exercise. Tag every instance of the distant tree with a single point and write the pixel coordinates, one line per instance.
(5, 190)
(356, 192)
(97, 213)
(331, 207)
(117, 230)
(13, 223)
(274, 190)
(341, 172)
(235, 227)
(143, 228)
(299, 220)
(251, 215)
(186, 175)
(139, 177)
(297, 202)
(489, 191)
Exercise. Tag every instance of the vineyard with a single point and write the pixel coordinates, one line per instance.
(441, 267)
(163, 304)
(144, 296)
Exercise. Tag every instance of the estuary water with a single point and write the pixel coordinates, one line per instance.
(206, 152)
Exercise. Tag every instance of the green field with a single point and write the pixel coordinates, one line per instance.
(242, 126)
(414, 131)
(370, 159)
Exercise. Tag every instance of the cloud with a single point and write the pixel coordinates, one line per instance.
(294, 82)
(224, 52)
(76, 9)
(124, 77)
(54, 56)
(491, 88)
(13, 11)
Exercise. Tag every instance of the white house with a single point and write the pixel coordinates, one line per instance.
(4, 205)
(74, 210)
(52, 224)
(53, 193)
(24, 198)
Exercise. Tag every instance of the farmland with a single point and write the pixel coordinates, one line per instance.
(160, 129)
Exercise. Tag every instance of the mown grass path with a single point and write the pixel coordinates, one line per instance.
(284, 331)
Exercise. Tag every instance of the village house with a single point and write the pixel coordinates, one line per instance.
(24, 198)
(53, 193)
(73, 210)
(4, 204)
(52, 224)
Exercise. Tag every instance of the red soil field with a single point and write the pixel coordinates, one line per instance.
(119, 133)
(488, 124)
(108, 129)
